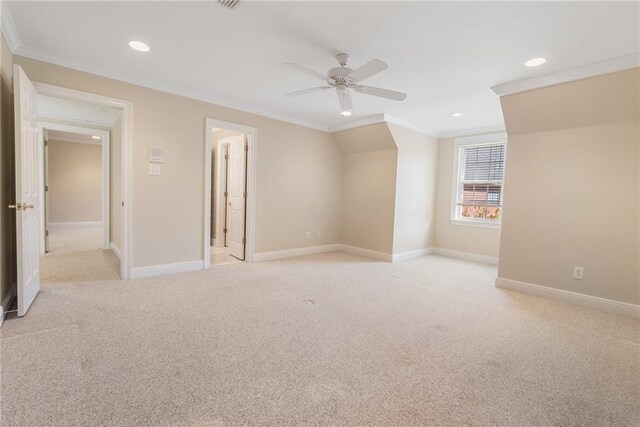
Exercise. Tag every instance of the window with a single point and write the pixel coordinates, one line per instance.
(478, 183)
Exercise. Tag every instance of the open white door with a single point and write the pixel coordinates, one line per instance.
(237, 196)
(27, 225)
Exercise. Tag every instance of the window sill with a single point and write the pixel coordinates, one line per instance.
(481, 224)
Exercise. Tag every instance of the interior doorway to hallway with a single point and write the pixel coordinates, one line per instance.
(228, 198)
(77, 205)
(229, 193)
(81, 181)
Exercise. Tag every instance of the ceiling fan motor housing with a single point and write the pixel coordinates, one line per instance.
(339, 74)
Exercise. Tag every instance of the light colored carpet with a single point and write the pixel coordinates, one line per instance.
(326, 339)
(76, 255)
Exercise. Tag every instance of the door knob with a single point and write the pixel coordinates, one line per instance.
(20, 206)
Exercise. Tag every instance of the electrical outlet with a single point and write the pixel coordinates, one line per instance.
(578, 273)
(307, 235)
(318, 235)
(413, 239)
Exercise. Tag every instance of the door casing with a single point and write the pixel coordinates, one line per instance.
(127, 154)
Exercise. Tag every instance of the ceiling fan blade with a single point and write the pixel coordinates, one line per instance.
(382, 93)
(307, 71)
(305, 91)
(344, 98)
(367, 70)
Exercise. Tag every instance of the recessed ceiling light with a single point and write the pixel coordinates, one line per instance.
(535, 62)
(345, 113)
(95, 137)
(456, 115)
(139, 46)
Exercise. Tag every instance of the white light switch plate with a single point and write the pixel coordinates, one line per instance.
(154, 169)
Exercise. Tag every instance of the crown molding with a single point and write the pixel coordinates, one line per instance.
(379, 118)
(577, 73)
(474, 131)
(8, 27)
(159, 86)
(428, 132)
(365, 121)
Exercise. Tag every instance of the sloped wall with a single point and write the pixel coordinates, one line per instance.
(572, 193)
(368, 187)
(388, 188)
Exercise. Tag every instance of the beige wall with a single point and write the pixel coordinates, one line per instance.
(7, 183)
(298, 182)
(368, 201)
(368, 186)
(115, 185)
(462, 238)
(415, 189)
(572, 191)
(75, 182)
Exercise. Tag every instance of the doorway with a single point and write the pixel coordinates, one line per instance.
(229, 193)
(77, 206)
(228, 198)
(29, 172)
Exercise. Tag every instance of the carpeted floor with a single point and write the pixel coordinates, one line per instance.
(76, 255)
(326, 339)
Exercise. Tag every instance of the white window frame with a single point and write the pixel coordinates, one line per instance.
(488, 139)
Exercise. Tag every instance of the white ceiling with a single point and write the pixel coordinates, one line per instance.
(445, 56)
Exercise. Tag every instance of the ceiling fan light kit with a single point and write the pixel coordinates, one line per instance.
(344, 79)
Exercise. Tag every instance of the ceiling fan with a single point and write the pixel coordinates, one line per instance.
(343, 78)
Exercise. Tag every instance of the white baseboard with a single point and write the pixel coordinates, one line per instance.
(115, 250)
(6, 301)
(288, 253)
(402, 256)
(382, 256)
(612, 306)
(468, 256)
(75, 224)
(159, 270)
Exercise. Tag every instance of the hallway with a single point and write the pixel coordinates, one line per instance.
(76, 255)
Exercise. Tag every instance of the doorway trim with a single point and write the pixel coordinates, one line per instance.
(105, 147)
(126, 260)
(250, 207)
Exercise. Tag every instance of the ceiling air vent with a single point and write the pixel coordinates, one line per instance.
(228, 3)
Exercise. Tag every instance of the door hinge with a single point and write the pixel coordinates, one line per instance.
(244, 240)
(46, 143)
(46, 233)
(224, 231)
(246, 148)
(46, 188)
(245, 194)
(226, 194)
(226, 157)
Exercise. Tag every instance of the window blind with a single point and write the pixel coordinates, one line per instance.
(481, 173)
